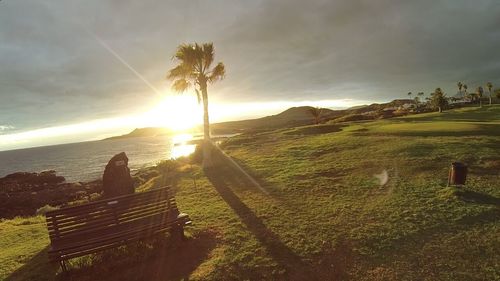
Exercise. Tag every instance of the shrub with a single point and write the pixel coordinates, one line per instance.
(169, 172)
(43, 210)
(197, 155)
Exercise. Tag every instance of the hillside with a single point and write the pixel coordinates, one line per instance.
(352, 201)
(144, 132)
(292, 117)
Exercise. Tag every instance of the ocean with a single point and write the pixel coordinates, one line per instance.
(85, 161)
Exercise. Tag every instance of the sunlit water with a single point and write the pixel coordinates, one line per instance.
(86, 161)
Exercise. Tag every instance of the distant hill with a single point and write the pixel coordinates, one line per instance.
(144, 132)
(357, 106)
(292, 117)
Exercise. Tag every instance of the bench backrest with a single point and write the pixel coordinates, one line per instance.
(151, 207)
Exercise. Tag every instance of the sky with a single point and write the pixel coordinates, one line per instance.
(79, 70)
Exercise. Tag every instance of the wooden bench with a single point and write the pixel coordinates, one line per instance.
(104, 224)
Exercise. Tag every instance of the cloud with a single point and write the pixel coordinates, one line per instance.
(52, 72)
(5, 128)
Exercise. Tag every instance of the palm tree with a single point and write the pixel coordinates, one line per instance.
(195, 70)
(409, 94)
(460, 85)
(465, 90)
(316, 113)
(417, 101)
(420, 96)
(489, 86)
(438, 100)
(479, 93)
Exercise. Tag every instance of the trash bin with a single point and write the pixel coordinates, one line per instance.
(458, 174)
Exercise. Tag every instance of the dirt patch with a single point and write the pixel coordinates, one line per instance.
(334, 262)
(318, 153)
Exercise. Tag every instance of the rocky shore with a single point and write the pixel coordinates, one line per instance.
(29, 193)
(23, 193)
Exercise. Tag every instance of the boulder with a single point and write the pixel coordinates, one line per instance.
(116, 179)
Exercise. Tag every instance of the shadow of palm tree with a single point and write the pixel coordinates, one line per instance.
(224, 180)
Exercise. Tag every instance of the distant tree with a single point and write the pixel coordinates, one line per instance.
(497, 93)
(420, 96)
(438, 100)
(417, 100)
(460, 85)
(195, 69)
(409, 94)
(489, 85)
(465, 90)
(479, 94)
(316, 114)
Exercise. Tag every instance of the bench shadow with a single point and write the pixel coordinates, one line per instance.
(224, 180)
(152, 260)
(37, 268)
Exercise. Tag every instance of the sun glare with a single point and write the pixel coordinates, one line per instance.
(181, 145)
(177, 112)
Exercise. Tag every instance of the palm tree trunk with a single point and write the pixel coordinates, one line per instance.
(206, 121)
(490, 97)
(207, 144)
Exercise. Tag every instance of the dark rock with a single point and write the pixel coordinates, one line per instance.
(21, 194)
(42, 178)
(116, 179)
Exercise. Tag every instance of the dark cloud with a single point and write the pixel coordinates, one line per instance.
(53, 71)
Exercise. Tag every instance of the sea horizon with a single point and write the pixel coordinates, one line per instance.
(66, 159)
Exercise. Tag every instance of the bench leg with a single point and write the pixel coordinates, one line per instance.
(177, 232)
(63, 266)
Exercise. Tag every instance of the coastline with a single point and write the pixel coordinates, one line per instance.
(24, 194)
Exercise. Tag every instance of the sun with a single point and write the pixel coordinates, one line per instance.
(178, 112)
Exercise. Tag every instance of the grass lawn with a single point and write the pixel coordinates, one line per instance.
(318, 212)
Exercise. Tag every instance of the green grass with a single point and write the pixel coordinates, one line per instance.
(21, 242)
(320, 214)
